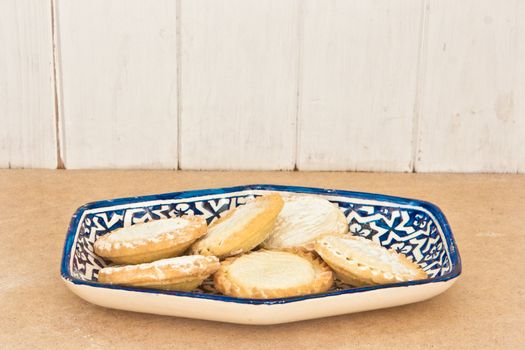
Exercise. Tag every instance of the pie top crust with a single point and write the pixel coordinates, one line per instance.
(240, 229)
(303, 219)
(268, 274)
(151, 236)
(366, 260)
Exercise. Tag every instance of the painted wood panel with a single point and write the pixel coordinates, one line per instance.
(119, 83)
(238, 84)
(358, 84)
(473, 100)
(330, 85)
(27, 131)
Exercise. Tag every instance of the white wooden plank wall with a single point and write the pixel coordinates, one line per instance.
(407, 85)
(473, 101)
(238, 84)
(358, 84)
(119, 83)
(27, 116)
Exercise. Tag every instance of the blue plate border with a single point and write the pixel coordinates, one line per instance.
(432, 208)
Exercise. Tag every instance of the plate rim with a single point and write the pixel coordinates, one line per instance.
(430, 207)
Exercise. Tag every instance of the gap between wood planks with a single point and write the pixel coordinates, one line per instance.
(58, 134)
(300, 31)
(178, 48)
(420, 76)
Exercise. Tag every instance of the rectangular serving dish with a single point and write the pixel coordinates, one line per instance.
(416, 228)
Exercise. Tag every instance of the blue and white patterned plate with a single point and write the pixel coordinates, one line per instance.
(416, 228)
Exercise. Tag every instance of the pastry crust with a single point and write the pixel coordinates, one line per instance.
(266, 274)
(151, 241)
(303, 219)
(359, 261)
(240, 229)
(183, 273)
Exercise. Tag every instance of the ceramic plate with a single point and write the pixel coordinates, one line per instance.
(416, 228)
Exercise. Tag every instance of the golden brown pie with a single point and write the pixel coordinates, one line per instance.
(268, 274)
(359, 261)
(240, 229)
(150, 241)
(183, 273)
(303, 219)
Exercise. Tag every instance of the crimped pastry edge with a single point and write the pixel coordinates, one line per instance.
(178, 242)
(149, 273)
(358, 273)
(323, 281)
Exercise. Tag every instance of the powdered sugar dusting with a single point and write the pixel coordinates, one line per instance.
(147, 230)
(372, 253)
(302, 219)
(141, 234)
(182, 263)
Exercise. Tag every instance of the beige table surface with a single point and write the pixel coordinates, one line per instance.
(484, 309)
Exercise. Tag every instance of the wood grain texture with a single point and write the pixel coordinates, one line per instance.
(119, 83)
(27, 122)
(328, 85)
(238, 84)
(473, 100)
(358, 84)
